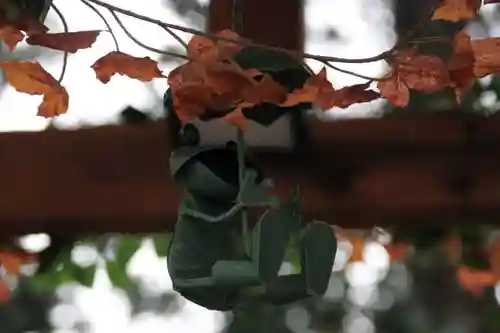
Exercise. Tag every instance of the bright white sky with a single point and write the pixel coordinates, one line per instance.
(365, 26)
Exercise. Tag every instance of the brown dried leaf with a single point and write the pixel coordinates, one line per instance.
(237, 118)
(207, 50)
(266, 90)
(457, 10)
(143, 69)
(28, 77)
(11, 36)
(486, 56)
(55, 103)
(422, 72)
(357, 93)
(65, 41)
(394, 90)
(461, 65)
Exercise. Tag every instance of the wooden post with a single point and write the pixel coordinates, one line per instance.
(278, 23)
(271, 22)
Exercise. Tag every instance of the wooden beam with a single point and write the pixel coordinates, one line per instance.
(411, 171)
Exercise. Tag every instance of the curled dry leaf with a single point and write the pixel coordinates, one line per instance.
(143, 69)
(457, 10)
(394, 90)
(28, 77)
(319, 91)
(413, 71)
(31, 78)
(55, 102)
(11, 36)
(65, 41)
(208, 50)
(486, 56)
(461, 65)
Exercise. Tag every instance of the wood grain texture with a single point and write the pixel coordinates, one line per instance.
(411, 171)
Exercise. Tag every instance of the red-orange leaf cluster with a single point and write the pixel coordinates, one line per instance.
(212, 82)
(31, 78)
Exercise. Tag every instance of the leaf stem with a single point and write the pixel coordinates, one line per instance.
(165, 25)
(237, 26)
(110, 30)
(141, 44)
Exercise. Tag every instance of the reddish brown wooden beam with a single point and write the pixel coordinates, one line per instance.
(358, 173)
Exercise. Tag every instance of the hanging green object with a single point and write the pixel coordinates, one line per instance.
(212, 259)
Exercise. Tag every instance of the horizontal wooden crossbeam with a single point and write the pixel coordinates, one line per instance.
(406, 170)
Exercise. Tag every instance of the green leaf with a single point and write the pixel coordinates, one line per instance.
(83, 275)
(319, 247)
(126, 248)
(235, 273)
(118, 275)
(271, 237)
(161, 243)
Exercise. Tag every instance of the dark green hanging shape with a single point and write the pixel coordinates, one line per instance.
(207, 259)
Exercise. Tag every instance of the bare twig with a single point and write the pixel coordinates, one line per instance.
(346, 71)
(66, 29)
(162, 24)
(138, 42)
(110, 30)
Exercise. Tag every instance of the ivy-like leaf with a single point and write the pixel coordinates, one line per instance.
(127, 246)
(161, 243)
(118, 275)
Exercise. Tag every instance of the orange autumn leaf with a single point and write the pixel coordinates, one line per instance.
(266, 90)
(143, 69)
(358, 248)
(228, 79)
(11, 36)
(410, 70)
(208, 50)
(55, 102)
(457, 10)
(475, 280)
(31, 78)
(357, 93)
(319, 91)
(486, 56)
(11, 262)
(394, 90)
(236, 117)
(28, 77)
(65, 41)
(461, 65)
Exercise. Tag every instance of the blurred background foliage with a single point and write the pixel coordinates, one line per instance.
(370, 294)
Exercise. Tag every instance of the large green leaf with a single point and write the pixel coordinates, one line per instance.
(83, 275)
(127, 246)
(118, 275)
(161, 243)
